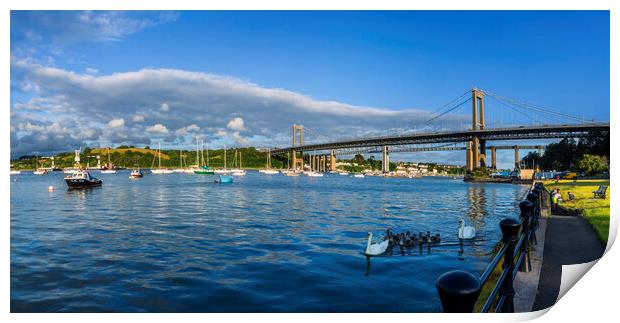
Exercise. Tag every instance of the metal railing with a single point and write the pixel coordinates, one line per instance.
(459, 290)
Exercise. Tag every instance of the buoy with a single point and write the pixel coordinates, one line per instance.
(50, 188)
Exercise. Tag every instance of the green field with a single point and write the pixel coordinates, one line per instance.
(596, 211)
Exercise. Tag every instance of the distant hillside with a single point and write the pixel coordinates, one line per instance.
(145, 158)
(104, 151)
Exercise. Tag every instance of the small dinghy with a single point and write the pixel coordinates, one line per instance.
(82, 179)
(226, 179)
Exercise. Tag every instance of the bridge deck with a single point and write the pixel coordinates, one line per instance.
(516, 133)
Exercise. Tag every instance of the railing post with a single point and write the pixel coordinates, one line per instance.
(458, 291)
(535, 212)
(528, 218)
(510, 235)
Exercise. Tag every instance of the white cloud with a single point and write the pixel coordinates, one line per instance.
(90, 70)
(137, 118)
(165, 107)
(116, 123)
(157, 129)
(185, 130)
(236, 124)
(206, 103)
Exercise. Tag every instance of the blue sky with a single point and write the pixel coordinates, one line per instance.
(244, 77)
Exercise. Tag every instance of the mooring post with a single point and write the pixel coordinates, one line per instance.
(458, 291)
(510, 235)
(527, 217)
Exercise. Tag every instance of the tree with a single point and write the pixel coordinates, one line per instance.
(591, 164)
(530, 159)
(359, 159)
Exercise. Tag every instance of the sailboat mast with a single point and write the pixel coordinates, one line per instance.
(202, 152)
(159, 154)
(240, 165)
(197, 159)
(224, 157)
(207, 144)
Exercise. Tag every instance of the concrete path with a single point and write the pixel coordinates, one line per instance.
(526, 284)
(568, 240)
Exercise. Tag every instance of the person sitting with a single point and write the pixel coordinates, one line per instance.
(557, 197)
(571, 196)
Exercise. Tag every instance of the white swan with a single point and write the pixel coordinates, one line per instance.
(377, 248)
(466, 232)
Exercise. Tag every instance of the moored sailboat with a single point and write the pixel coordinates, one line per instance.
(160, 170)
(109, 168)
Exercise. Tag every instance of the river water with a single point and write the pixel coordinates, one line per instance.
(265, 243)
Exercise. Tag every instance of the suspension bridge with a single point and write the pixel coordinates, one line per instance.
(510, 120)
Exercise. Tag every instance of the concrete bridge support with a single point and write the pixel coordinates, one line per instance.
(323, 163)
(469, 160)
(385, 166)
(493, 158)
(539, 151)
(483, 153)
(517, 160)
(332, 160)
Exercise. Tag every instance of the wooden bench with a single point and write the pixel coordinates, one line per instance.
(602, 190)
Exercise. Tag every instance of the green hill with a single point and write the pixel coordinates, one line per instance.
(145, 157)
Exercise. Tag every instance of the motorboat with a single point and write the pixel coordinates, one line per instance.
(136, 173)
(359, 175)
(82, 179)
(15, 172)
(268, 171)
(40, 171)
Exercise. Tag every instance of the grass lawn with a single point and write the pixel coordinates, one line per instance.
(596, 211)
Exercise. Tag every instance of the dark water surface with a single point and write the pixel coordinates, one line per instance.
(266, 243)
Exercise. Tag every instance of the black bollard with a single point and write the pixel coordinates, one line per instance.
(526, 214)
(510, 235)
(458, 291)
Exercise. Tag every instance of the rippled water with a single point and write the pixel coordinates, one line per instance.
(182, 243)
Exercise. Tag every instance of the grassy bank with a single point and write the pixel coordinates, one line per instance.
(596, 211)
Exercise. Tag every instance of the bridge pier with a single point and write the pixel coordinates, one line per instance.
(385, 167)
(469, 160)
(539, 151)
(483, 153)
(324, 163)
(493, 158)
(332, 160)
(517, 160)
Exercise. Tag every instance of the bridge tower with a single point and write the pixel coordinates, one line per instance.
(332, 160)
(298, 129)
(478, 148)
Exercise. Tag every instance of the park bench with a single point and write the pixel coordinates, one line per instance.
(600, 192)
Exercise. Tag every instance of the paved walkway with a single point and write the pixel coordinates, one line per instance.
(568, 240)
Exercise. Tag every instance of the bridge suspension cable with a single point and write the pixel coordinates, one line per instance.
(450, 105)
(533, 108)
